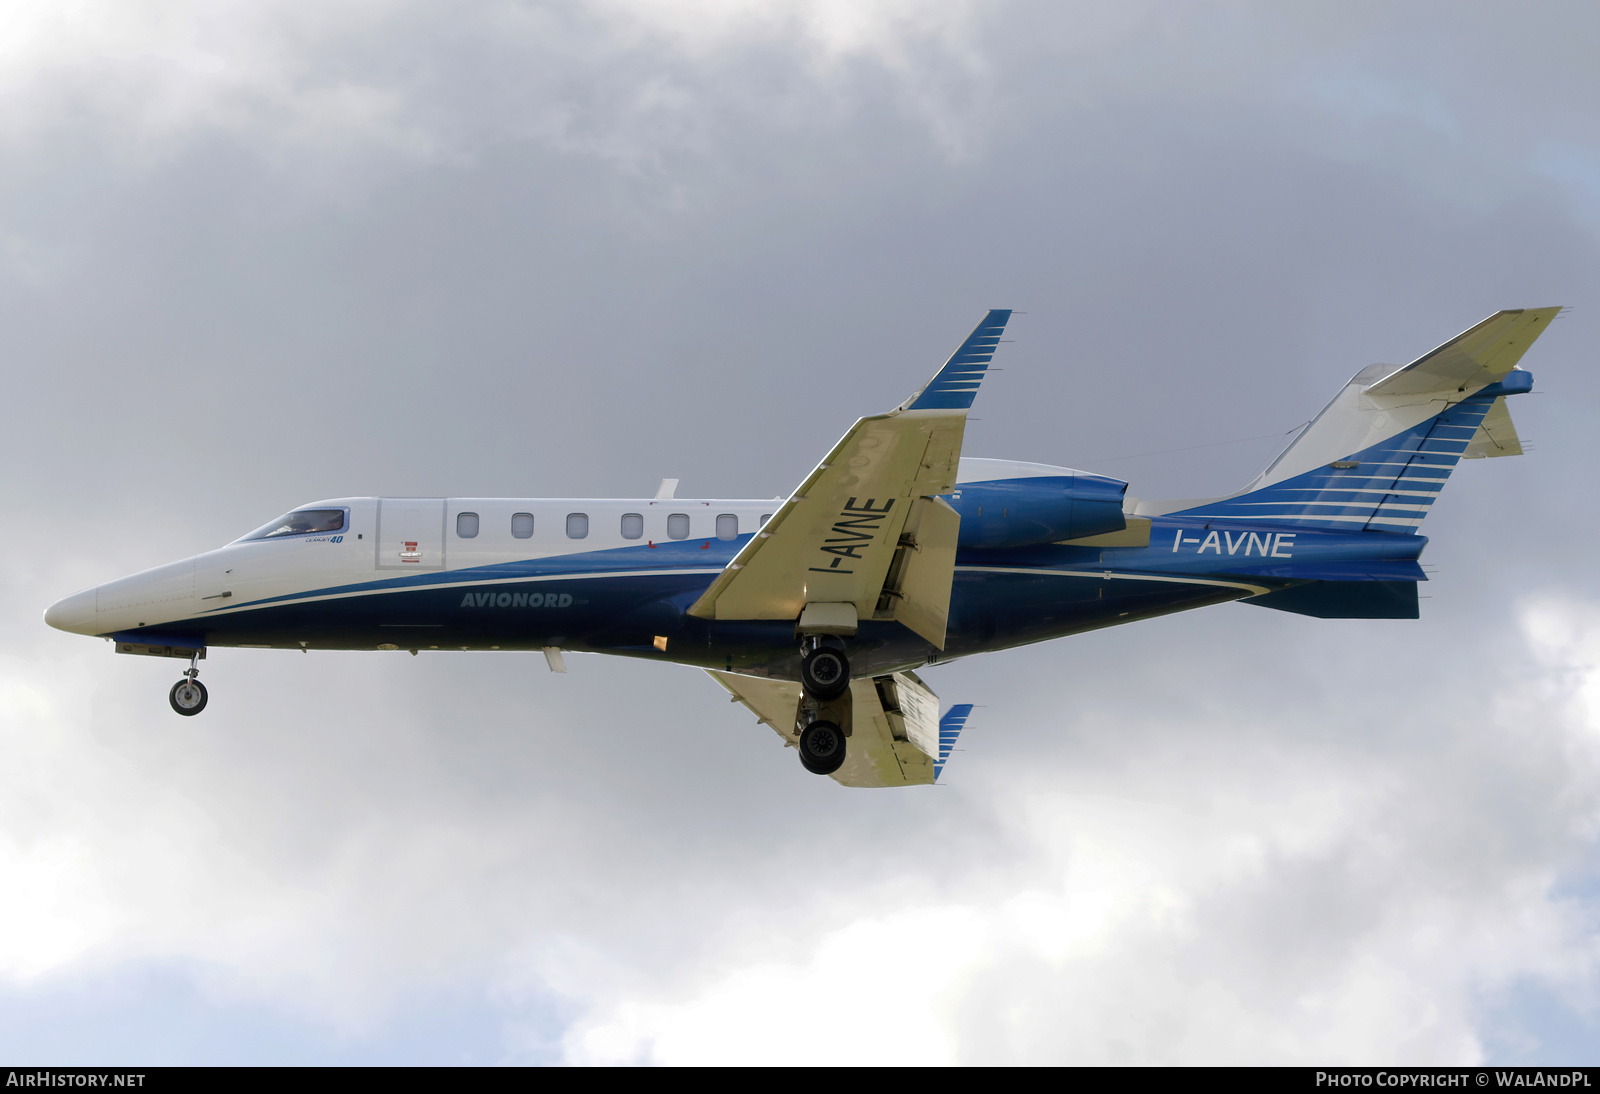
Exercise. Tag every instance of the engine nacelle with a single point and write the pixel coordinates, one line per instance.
(1023, 512)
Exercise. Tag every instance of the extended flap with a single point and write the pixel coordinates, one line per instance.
(917, 591)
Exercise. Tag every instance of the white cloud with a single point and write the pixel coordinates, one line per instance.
(617, 77)
(162, 69)
(1566, 638)
(1185, 907)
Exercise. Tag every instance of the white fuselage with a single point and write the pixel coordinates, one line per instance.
(392, 537)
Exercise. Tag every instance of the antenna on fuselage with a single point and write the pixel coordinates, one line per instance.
(667, 488)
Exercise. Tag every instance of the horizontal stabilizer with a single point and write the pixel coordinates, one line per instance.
(1345, 600)
(1472, 359)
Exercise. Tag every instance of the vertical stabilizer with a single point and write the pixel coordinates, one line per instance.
(1380, 452)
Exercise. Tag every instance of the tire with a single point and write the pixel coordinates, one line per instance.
(822, 748)
(825, 673)
(188, 697)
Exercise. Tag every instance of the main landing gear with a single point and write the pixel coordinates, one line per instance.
(824, 672)
(821, 748)
(188, 696)
(824, 708)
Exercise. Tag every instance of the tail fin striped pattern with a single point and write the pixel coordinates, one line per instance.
(1388, 487)
(950, 727)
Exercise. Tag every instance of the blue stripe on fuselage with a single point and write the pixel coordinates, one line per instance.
(682, 555)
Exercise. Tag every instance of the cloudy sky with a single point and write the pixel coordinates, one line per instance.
(254, 253)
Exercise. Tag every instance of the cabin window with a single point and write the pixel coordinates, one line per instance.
(467, 525)
(577, 525)
(678, 526)
(727, 526)
(632, 526)
(764, 518)
(301, 522)
(522, 525)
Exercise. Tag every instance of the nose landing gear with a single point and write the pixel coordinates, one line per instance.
(188, 696)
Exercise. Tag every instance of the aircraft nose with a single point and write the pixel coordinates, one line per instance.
(75, 614)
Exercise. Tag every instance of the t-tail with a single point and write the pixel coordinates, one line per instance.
(1377, 456)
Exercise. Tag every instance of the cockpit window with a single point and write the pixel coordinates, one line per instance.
(301, 522)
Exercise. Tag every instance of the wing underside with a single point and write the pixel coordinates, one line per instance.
(835, 540)
(866, 536)
(897, 738)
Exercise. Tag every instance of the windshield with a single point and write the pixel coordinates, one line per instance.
(301, 522)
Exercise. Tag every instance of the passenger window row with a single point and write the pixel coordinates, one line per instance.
(467, 525)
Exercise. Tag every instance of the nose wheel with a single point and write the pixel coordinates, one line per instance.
(188, 696)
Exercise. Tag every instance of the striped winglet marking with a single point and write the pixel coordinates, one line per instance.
(949, 729)
(956, 385)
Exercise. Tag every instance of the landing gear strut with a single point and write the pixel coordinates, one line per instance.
(188, 696)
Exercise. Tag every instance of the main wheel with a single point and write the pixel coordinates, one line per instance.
(822, 748)
(824, 672)
(188, 697)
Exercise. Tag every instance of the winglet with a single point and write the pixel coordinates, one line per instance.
(956, 385)
(950, 727)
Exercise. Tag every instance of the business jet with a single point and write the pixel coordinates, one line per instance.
(895, 553)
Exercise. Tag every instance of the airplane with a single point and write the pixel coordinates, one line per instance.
(895, 553)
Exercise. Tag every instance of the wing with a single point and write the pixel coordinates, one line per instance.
(1480, 356)
(897, 737)
(864, 535)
